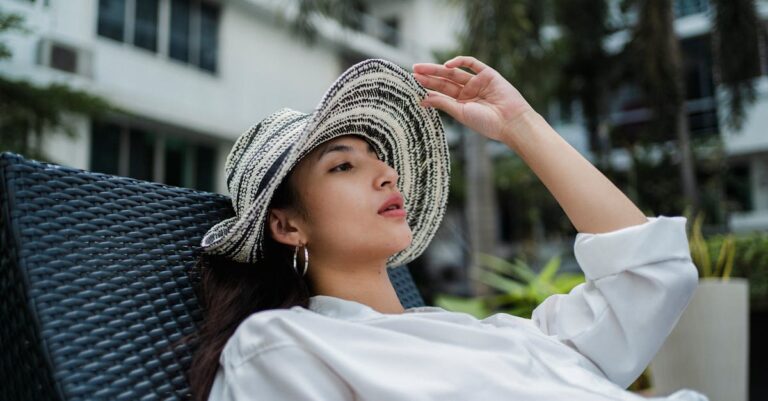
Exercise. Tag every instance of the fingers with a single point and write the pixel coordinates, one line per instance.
(439, 84)
(466, 61)
(459, 76)
(443, 102)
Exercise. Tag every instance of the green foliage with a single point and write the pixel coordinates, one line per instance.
(28, 110)
(733, 255)
(751, 262)
(719, 266)
(10, 22)
(521, 288)
(737, 23)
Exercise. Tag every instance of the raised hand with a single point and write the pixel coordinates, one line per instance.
(484, 101)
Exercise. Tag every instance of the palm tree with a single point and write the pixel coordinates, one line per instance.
(586, 65)
(654, 53)
(737, 33)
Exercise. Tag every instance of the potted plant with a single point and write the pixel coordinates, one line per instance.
(708, 348)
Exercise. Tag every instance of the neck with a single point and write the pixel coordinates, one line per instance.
(367, 284)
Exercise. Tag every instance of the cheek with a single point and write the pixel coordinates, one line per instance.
(344, 218)
(341, 206)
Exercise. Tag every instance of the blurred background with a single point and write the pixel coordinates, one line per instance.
(666, 97)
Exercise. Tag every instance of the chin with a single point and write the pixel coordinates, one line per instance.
(407, 239)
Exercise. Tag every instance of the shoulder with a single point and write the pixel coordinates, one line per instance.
(263, 331)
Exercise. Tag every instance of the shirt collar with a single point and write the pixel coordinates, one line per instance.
(345, 309)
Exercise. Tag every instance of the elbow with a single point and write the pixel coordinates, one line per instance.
(689, 280)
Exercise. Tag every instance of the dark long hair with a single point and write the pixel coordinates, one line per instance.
(230, 291)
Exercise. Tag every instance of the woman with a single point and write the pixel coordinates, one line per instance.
(320, 216)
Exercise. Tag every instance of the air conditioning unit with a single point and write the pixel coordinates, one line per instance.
(65, 57)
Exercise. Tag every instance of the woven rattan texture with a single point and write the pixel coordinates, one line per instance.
(95, 287)
(24, 370)
(405, 287)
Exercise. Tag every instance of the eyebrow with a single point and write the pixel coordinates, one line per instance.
(340, 148)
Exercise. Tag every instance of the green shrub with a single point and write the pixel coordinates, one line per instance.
(734, 255)
(520, 288)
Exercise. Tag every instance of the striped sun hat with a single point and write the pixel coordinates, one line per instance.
(375, 99)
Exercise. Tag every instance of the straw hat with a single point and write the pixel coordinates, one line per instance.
(375, 99)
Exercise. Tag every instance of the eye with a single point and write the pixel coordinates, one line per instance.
(342, 165)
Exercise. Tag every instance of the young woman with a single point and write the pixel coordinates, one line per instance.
(298, 302)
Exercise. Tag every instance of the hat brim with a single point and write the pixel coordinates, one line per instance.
(381, 102)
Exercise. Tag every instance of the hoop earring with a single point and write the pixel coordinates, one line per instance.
(306, 259)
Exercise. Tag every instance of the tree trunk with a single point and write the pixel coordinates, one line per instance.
(687, 169)
(482, 207)
(682, 129)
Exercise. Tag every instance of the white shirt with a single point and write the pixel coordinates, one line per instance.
(589, 344)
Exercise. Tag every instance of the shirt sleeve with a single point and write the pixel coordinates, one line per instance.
(639, 280)
(283, 372)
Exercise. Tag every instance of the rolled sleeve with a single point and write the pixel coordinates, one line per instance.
(639, 279)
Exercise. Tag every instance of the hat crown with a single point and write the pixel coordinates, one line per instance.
(257, 152)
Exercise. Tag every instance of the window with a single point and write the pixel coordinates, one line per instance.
(120, 149)
(189, 165)
(192, 28)
(205, 166)
(738, 187)
(180, 24)
(117, 17)
(145, 24)
(111, 19)
(141, 154)
(105, 148)
(194, 33)
(175, 159)
(209, 36)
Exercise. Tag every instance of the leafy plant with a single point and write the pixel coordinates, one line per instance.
(702, 252)
(521, 288)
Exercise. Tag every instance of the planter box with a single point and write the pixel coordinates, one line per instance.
(708, 350)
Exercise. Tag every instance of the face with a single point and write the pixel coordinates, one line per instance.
(343, 184)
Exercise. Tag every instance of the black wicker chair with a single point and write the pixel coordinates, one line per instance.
(95, 283)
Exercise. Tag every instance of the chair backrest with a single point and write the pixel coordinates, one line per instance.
(96, 282)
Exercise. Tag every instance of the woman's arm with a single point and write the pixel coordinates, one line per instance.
(639, 272)
(490, 105)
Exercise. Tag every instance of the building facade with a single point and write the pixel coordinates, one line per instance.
(191, 75)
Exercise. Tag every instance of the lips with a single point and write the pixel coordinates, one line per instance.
(394, 202)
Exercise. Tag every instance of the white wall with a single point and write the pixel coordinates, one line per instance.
(425, 25)
(260, 69)
(753, 137)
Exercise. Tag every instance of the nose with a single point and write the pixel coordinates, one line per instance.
(387, 176)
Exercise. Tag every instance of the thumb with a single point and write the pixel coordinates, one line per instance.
(442, 102)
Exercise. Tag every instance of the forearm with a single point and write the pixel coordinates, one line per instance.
(589, 198)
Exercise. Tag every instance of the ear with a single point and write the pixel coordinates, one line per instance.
(283, 227)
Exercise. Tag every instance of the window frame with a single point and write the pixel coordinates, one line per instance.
(163, 37)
